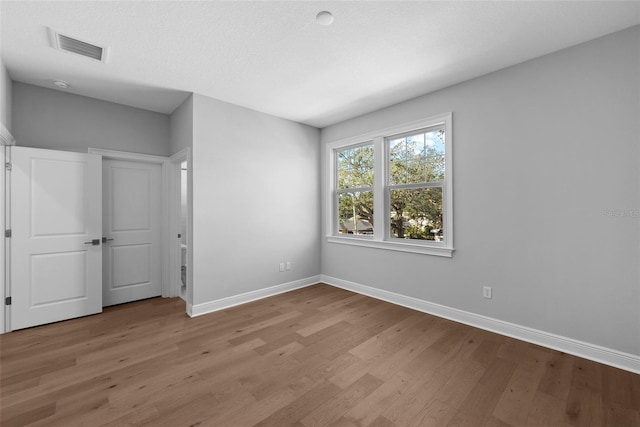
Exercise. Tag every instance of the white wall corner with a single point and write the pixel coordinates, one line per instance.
(223, 303)
(618, 359)
(190, 310)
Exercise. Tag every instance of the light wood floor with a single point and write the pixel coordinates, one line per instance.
(319, 356)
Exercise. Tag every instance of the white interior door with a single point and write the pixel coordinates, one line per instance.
(56, 219)
(132, 209)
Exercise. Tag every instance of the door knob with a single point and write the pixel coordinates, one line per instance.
(105, 240)
(94, 242)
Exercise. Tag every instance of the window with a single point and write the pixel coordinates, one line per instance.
(392, 189)
(416, 165)
(355, 190)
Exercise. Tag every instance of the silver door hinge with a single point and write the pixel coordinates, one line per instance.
(8, 166)
(7, 233)
(7, 301)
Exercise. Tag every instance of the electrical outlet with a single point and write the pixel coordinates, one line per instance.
(282, 266)
(486, 292)
(288, 267)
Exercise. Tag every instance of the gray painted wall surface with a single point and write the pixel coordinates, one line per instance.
(47, 118)
(181, 124)
(255, 200)
(543, 152)
(5, 97)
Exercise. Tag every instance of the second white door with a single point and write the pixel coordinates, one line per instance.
(132, 253)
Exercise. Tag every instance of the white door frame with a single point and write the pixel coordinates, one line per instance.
(174, 222)
(164, 162)
(6, 140)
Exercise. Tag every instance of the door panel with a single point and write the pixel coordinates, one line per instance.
(68, 268)
(132, 203)
(50, 199)
(56, 207)
(133, 265)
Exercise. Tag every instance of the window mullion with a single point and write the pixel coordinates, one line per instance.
(379, 184)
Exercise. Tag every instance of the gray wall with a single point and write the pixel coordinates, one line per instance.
(182, 126)
(5, 97)
(255, 200)
(542, 152)
(47, 118)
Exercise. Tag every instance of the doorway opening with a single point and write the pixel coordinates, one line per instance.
(183, 230)
(180, 226)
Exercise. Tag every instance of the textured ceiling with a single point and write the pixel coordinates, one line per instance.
(272, 56)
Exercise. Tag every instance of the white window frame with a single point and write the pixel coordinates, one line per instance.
(382, 238)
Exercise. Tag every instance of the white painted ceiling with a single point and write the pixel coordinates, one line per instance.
(273, 57)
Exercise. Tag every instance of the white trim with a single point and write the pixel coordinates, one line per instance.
(392, 245)
(618, 359)
(392, 130)
(164, 162)
(125, 155)
(379, 183)
(6, 309)
(3, 261)
(221, 304)
(6, 140)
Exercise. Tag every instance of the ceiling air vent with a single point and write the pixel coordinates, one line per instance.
(79, 47)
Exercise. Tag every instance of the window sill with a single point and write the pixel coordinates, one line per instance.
(393, 246)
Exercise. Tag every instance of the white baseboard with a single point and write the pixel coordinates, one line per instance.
(618, 359)
(221, 304)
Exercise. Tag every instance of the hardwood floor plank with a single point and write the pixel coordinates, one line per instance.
(434, 413)
(517, 397)
(410, 400)
(302, 406)
(464, 377)
(331, 410)
(317, 326)
(197, 412)
(319, 367)
(620, 394)
(547, 410)
(28, 414)
(370, 348)
(483, 398)
(556, 379)
(404, 357)
(314, 356)
(253, 413)
(584, 403)
(372, 406)
(382, 422)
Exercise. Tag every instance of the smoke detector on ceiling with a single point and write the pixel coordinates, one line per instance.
(61, 84)
(73, 45)
(324, 18)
